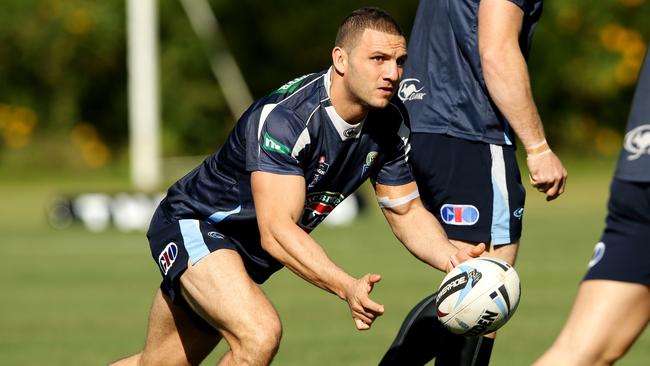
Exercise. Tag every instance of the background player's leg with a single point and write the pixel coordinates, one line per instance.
(418, 340)
(219, 289)
(422, 337)
(172, 337)
(606, 319)
(473, 351)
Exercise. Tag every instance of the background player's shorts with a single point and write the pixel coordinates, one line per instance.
(473, 188)
(623, 253)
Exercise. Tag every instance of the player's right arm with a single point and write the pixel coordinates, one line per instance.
(418, 229)
(279, 201)
(507, 80)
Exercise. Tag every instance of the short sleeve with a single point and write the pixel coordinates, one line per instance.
(395, 170)
(519, 3)
(271, 146)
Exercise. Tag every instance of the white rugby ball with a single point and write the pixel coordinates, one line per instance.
(478, 296)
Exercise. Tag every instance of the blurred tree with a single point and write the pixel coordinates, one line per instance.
(63, 70)
(584, 63)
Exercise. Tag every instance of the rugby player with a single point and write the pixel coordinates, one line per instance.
(246, 211)
(612, 307)
(466, 87)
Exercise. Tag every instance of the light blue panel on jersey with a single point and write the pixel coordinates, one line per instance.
(193, 239)
(219, 216)
(500, 204)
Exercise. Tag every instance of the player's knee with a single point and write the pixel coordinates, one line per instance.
(258, 345)
(134, 360)
(267, 340)
(609, 355)
(588, 354)
(162, 358)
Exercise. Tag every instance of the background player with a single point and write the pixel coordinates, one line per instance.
(467, 89)
(245, 212)
(612, 307)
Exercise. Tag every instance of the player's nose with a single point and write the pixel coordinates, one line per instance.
(391, 71)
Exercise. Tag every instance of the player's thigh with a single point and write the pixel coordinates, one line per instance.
(220, 290)
(606, 318)
(173, 338)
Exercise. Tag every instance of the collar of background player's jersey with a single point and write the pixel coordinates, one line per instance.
(346, 131)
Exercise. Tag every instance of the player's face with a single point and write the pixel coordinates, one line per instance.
(375, 67)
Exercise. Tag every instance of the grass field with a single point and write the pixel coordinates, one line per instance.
(72, 297)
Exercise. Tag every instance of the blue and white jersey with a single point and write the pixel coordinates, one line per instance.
(634, 162)
(296, 131)
(443, 86)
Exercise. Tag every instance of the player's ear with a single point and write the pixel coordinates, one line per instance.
(339, 60)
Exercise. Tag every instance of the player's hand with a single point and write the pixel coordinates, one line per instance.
(364, 310)
(463, 255)
(547, 174)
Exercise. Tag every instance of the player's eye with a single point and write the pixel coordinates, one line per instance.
(378, 58)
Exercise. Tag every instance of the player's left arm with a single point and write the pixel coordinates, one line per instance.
(507, 80)
(418, 229)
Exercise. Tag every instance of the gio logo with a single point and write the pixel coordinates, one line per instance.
(271, 144)
(637, 142)
(459, 214)
(167, 257)
(408, 90)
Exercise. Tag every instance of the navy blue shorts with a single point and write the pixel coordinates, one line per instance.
(473, 188)
(174, 243)
(623, 253)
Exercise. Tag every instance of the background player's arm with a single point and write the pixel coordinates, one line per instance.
(507, 80)
(419, 230)
(279, 202)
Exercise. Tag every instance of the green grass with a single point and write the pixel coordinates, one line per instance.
(72, 297)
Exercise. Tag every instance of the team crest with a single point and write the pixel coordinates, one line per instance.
(167, 257)
(371, 158)
(459, 214)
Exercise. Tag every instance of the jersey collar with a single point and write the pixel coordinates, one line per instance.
(346, 131)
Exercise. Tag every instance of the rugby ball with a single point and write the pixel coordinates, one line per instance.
(478, 296)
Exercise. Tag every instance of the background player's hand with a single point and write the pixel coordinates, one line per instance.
(463, 255)
(547, 174)
(364, 310)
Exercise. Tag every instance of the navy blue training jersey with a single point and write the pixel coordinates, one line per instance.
(443, 86)
(634, 162)
(294, 130)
